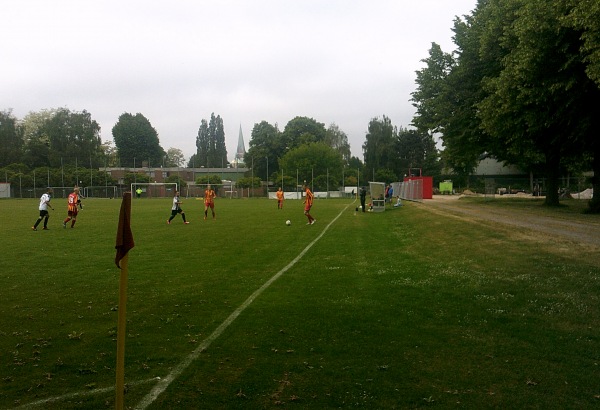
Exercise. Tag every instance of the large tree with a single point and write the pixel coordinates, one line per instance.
(585, 17)
(211, 151)
(303, 130)
(137, 141)
(415, 149)
(379, 148)
(37, 141)
(338, 140)
(174, 158)
(11, 139)
(541, 101)
(264, 149)
(316, 163)
(74, 139)
(517, 89)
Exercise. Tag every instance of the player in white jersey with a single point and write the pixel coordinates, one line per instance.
(176, 209)
(44, 205)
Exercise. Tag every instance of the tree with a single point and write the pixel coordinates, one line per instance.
(74, 138)
(37, 142)
(415, 150)
(208, 179)
(584, 16)
(11, 139)
(302, 130)
(379, 147)
(542, 101)
(338, 140)
(313, 160)
(431, 83)
(174, 158)
(264, 149)
(137, 141)
(111, 155)
(210, 143)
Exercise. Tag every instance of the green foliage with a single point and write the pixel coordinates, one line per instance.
(315, 160)
(521, 88)
(74, 139)
(69, 175)
(301, 131)
(208, 179)
(176, 179)
(338, 140)
(133, 177)
(248, 182)
(11, 139)
(137, 141)
(265, 148)
(379, 146)
(174, 158)
(210, 143)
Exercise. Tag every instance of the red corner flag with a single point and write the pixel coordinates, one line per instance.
(124, 235)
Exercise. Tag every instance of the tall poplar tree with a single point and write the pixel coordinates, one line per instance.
(211, 151)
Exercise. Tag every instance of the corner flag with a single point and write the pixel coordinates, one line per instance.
(124, 235)
(123, 245)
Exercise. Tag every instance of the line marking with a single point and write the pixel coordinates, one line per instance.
(81, 394)
(163, 383)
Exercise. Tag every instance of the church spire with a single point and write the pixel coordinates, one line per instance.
(241, 150)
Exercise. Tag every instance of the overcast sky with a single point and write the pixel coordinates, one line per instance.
(176, 62)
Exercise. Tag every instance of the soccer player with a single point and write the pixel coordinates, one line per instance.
(72, 203)
(279, 198)
(176, 209)
(209, 201)
(308, 204)
(43, 208)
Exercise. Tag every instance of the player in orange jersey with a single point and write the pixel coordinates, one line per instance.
(280, 199)
(73, 202)
(308, 204)
(209, 201)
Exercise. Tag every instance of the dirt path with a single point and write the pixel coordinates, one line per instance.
(579, 228)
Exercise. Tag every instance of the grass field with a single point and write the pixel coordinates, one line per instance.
(390, 310)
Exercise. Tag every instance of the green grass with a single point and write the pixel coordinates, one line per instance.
(390, 310)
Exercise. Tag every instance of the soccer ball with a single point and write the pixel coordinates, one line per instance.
(288, 222)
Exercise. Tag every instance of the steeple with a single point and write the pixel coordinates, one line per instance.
(241, 150)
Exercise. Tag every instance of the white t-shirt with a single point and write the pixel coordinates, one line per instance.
(44, 202)
(175, 206)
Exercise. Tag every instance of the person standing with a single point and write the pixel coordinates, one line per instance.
(73, 202)
(363, 198)
(308, 204)
(138, 192)
(209, 201)
(43, 208)
(279, 198)
(176, 209)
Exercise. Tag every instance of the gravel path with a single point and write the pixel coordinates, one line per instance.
(581, 228)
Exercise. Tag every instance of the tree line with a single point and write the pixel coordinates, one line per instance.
(61, 141)
(522, 86)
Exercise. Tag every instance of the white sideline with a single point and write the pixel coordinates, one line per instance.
(163, 383)
(80, 394)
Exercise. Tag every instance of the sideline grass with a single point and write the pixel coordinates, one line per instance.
(391, 310)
